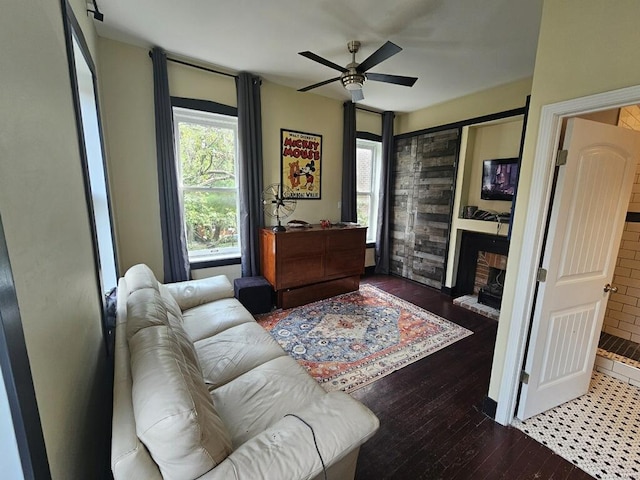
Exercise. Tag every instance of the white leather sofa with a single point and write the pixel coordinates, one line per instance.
(202, 391)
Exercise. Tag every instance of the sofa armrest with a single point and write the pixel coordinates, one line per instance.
(192, 293)
(287, 450)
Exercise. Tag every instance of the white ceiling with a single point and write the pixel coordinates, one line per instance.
(454, 47)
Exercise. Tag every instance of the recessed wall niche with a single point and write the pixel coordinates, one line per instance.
(491, 140)
(487, 142)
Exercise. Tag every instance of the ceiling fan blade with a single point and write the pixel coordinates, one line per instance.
(315, 85)
(387, 50)
(357, 95)
(323, 61)
(397, 79)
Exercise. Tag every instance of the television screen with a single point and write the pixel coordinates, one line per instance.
(499, 179)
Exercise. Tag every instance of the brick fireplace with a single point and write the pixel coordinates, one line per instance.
(489, 283)
(481, 267)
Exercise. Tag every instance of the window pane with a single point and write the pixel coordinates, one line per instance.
(96, 169)
(363, 203)
(211, 220)
(364, 159)
(367, 184)
(206, 147)
(207, 155)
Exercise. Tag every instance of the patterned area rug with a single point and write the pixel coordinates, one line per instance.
(349, 341)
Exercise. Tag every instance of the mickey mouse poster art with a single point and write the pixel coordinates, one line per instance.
(301, 163)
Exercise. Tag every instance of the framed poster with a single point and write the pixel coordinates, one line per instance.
(301, 164)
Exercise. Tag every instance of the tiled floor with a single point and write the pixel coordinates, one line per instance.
(599, 432)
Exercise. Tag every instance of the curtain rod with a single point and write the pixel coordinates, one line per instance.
(367, 110)
(199, 67)
(370, 111)
(211, 70)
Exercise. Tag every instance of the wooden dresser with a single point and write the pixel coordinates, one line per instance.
(305, 265)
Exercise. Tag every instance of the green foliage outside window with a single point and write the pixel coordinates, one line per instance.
(362, 209)
(207, 159)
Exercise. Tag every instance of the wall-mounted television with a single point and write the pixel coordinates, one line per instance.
(499, 179)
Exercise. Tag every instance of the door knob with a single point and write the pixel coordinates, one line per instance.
(609, 288)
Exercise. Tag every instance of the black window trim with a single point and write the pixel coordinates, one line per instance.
(369, 136)
(18, 381)
(204, 105)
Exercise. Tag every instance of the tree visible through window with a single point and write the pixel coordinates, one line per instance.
(206, 145)
(367, 179)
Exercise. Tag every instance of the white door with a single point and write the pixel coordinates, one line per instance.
(585, 228)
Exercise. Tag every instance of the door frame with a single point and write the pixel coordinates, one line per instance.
(551, 118)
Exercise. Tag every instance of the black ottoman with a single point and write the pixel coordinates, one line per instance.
(255, 293)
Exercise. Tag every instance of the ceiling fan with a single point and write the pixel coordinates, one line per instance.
(354, 74)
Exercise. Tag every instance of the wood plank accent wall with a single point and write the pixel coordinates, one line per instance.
(424, 179)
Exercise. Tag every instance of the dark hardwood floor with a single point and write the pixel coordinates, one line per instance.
(431, 424)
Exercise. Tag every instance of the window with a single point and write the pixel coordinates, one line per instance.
(82, 73)
(368, 160)
(206, 154)
(95, 168)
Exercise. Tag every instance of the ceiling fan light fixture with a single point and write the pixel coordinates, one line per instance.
(352, 81)
(353, 75)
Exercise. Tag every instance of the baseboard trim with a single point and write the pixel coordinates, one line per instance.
(489, 407)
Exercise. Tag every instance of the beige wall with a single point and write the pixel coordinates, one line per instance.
(44, 212)
(585, 47)
(284, 107)
(127, 93)
(126, 82)
(368, 122)
(498, 99)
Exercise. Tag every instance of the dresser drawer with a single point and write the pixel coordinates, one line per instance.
(300, 245)
(346, 239)
(301, 270)
(345, 262)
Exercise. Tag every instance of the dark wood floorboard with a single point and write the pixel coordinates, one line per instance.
(431, 424)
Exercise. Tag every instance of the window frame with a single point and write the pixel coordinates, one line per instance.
(199, 110)
(76, 46)
(371, 142)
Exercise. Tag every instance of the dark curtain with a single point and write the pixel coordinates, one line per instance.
(174, 245)
(250, 171)
(348, 209)
(384, 197)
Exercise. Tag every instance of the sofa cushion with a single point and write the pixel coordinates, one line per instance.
(256, 400)
(175, 416)
(140, 276)
(210, 319)
(145, 308)
(197, 292)
(169, 301)
(235, 351)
